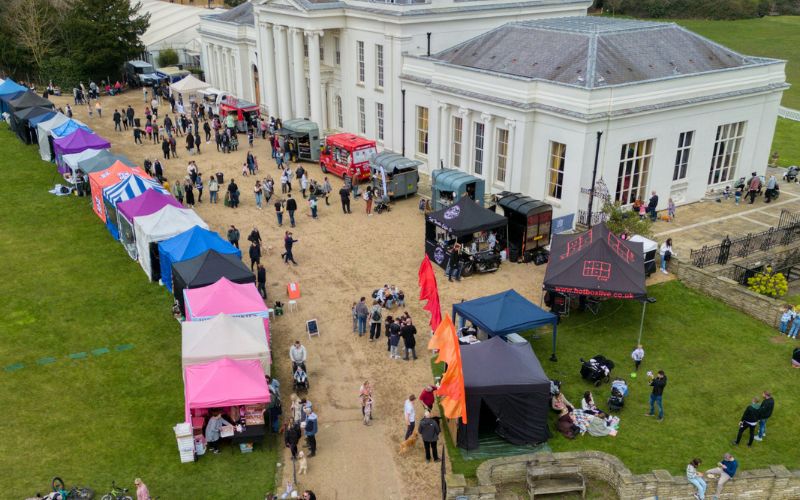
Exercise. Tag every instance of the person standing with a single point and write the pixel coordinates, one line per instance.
(408, 331)
(368, 195)
(753, 186)
(767, 405)
(291, 206)
(429, 430)
(725, 469)
(198, 185)
(786, 318)
(158, 170)
(233, 236)
(142, 493)
(361, 312)
(130, 114)
(409, 415)
(749, 421)
(393, 332)
(279, 211)
(667, 252)
(696, 478)
(177, 190)
(637, 355)
(312, 204)
(772, 185)
(344, 194)
(257, 193)
(213, 190)
(291, 436)
(326, 189)
(255, 255)
(233, 191)
(427, 398)
(652, 205)
(215, 422)
(312, 427)
(117, 117)
(261, 280)
(288, 244)
(658, 383)
(375, 321)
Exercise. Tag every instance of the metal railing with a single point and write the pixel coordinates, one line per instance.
(788, 231)
(597, 217)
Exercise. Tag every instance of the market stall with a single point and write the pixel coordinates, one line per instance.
(189, 86)
(102, 160)
(148, 230)
(26, 100)
(225, 336)
(125, 190)
(76, 142)
(206, 269)
(394, 174)
(448, 186)
(649, 249)
(349, 155)
(103, 178)
(224, 296)
(528, 225)
(73, 160)
(465, 231)
(303, 135)
(507, 393)
(23, 122)
(9, 90)
(149, 202)
(43, 135)
(244, 113)
(188, 245)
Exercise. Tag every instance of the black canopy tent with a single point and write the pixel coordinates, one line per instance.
(20, 122)
(206, 269)
(506, 391)
(28, 100)
(597, 263)
(458, 223)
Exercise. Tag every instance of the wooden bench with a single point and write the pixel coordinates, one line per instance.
(551, 480)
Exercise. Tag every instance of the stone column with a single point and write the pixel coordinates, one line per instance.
(282, 73)
(467, 135)
(512, 175)
(488, 148)
(298, 73)
(314, 76)
(269, 83)
(206, 53)
(441, 135)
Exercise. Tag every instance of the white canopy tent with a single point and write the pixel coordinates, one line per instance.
(150, 229)
(43, 129)
(189, 85)
(71, 160)
(225, 336)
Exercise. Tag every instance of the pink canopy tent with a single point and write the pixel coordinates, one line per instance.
(225, 297)
(149, 202)
(222, 383)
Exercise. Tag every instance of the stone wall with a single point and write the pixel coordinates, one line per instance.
(774, 483)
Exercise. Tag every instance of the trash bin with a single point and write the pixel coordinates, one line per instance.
(220, 178)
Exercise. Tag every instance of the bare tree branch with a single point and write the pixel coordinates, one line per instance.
(32, 21)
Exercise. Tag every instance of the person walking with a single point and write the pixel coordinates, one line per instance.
(637, 355)
(312, 427)
(291, 207)
(344, 194)
(393, 332)
(288, 244)
(291, 436)
(767, 405)
(408, 331)
(365, 396)
(667, 252)
(326, 189)
(749, 421)
(429, 431)
(213, 190)
(279, 211)
(696, 478)
(658, 383)
(198, 185)
(409, 416)
(261, 280)
(361, 312)
(233, 236)
(258, 194)
(255, 255)
(725, 469)
(375, 321)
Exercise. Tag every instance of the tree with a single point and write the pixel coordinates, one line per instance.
(167, 57)
(621, 219)
(103, 34)
(33, 27)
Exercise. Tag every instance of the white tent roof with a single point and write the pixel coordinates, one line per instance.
(72, 159)
(168, 222)
(647, 245)
(225, 336)
(189, 85)
(171, 25)
(43, 129)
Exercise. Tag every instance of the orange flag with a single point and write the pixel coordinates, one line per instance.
(451, 387)
(445, 341)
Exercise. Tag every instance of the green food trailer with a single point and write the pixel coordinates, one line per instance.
(394, 174)
(449, 185)
(304, 135)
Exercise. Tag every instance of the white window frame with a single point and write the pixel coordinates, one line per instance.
(479, 149)
(379, 120)
(361, 66)
(556, 166)
(338, 51)
(362, 116)
(423, 117)
(727, 149)
(339, 112)
(635, 160)
(501, 155)
(682, 155)
(458, 140)
(379, 66)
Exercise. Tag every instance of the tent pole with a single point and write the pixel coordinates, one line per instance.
(555, 336)
(641, 325)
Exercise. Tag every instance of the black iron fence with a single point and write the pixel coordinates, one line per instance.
(788, 231)
(597, 217)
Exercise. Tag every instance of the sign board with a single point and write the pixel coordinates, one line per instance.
(562, 224)
(312, 328)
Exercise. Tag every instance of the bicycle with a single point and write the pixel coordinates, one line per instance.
(117, 493)
(60, 491)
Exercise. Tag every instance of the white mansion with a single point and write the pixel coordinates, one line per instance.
(513, 91)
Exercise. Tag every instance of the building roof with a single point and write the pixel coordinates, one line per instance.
(593, 52)
(409, 8)
(241, 14)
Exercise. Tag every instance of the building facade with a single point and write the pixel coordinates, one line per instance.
(516, 92)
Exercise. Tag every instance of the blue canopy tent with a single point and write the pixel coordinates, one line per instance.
(188, 245)
(129, 188)
(9, 90)
(505, 313)
(68, 128)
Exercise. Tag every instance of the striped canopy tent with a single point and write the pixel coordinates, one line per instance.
(129, 188)
(104, 178)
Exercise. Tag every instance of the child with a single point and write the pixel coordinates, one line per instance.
(367, 408)
(355, 317)
(737, 196)
(637, 355)
(250, 137)
(726, 193)
(795, 321)
(642, 211)
(670, 209)
(244, 169)
(786, 318)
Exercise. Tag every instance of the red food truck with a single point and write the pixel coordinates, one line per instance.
(347, 154)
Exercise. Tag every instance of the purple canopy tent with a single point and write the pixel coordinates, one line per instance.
(149, 202)
(78, 141)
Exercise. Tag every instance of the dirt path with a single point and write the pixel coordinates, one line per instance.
(341, 258)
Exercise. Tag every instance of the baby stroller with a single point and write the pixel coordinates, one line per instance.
(619, 389)
(792, 174)
(382, 205)
(300, 378)
(597, 370)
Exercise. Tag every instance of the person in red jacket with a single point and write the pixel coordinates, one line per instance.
(426, 397)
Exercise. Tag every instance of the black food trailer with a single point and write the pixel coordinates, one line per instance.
(473, 234)
(448, 186)
(529, 224)
(394, 174)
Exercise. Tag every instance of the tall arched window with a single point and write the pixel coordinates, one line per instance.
(339, 112)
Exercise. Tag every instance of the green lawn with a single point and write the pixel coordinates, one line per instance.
(787, 142)
(715, 359)
(69, 289)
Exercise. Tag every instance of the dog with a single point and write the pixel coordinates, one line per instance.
(302, 463)
(408, 443)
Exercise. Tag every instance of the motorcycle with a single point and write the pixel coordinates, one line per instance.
(482, 262)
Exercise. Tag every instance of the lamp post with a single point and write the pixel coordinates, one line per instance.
(594, 178)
